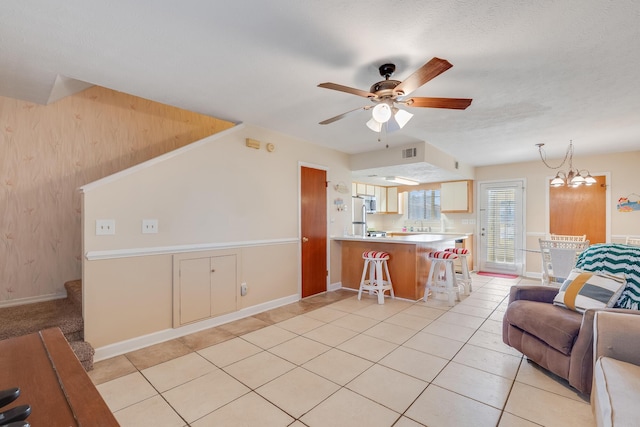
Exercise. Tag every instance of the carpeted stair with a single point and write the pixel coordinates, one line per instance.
(64, 313)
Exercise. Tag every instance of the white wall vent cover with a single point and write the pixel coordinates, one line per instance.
(409, 152)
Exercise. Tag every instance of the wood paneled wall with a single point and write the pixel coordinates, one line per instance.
(47, 152)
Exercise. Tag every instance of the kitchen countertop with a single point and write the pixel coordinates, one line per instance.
(409, 238)
(445, 233)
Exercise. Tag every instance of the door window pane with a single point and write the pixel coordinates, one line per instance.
(501, 226)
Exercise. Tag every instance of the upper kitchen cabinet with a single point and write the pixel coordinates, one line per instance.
(381, 199)
(386, 197)
(392, 199)
(456, 197)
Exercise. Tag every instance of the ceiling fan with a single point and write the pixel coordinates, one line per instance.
(387, 93)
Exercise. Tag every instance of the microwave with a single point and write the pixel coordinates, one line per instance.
(370, 204)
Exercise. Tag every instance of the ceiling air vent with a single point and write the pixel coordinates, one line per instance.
(409, 152)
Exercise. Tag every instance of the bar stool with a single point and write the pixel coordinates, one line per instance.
(442, 276)
(375, 264)
(465, 277)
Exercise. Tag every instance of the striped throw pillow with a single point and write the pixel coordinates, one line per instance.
(583, 290)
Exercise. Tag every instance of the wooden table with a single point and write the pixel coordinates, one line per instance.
(52, 381)
(408, 263)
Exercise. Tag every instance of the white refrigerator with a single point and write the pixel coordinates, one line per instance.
(359, 216)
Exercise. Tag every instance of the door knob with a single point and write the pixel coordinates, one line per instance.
(305, 239)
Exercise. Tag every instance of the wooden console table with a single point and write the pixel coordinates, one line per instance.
(52, 381)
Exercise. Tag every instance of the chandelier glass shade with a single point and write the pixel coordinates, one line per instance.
(572, 177)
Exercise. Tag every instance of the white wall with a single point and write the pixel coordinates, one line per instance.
(214, 193)
(624, 171)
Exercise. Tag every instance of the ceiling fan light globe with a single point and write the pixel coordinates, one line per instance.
(381, 113)
(402, 117)
(374, 125)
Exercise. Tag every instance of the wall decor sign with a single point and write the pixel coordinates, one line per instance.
(625, 204)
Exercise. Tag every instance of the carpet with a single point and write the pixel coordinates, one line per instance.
(64, 313)
(501, 275)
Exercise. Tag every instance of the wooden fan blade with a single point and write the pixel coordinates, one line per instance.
(347, 89)
(451, 103)
(340, 116)
(428, 71)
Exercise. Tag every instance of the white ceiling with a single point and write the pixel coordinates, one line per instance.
(538, 72)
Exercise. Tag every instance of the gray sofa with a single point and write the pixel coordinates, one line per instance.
(616, 377)
(557, 339)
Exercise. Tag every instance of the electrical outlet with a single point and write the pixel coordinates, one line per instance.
(149, 226)
(243, 289)
(105, 227)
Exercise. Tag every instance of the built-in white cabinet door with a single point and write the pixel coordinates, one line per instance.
(392, 199)
(206, 286)
(223, 284)
(195, 289)
(371, 190)
(361, 188)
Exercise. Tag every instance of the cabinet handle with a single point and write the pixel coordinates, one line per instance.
(305, 239)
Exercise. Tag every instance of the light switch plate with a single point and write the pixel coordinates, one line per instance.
(105, 227)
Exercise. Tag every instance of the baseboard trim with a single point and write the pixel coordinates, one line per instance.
(31, 300)
(137, 343)
(334, 286)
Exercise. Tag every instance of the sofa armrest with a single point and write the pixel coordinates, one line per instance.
(616, 335)
(582, 354)
(532, 293)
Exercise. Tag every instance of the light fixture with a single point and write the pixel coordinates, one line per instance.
(381, 113)
(402, 117)
(573, 177)
(400, 180)
(374, 125)
(394, 117)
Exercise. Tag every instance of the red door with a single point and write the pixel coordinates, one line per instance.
(580, 210)
(313, 191)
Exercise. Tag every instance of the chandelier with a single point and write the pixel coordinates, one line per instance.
(571, 178)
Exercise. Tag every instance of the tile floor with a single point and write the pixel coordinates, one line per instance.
(332, 360)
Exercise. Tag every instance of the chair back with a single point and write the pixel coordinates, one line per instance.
(559, 258)
(633, 241)
(568, 238)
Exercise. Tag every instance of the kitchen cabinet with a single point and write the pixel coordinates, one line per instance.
(392, 199)
(205, 286)
(467, 244)
(456, 197)
(386, 197)
(381, 199)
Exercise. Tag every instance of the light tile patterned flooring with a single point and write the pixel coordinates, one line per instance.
(332, 360)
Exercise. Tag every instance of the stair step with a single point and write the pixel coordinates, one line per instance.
(65, 314)
(74, 291)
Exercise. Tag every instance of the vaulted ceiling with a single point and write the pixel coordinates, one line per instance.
(538, 72)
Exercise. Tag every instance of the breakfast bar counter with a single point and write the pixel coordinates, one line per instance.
(408, 264)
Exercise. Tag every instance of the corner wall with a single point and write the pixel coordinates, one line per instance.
(215, 193)
(47, 152)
